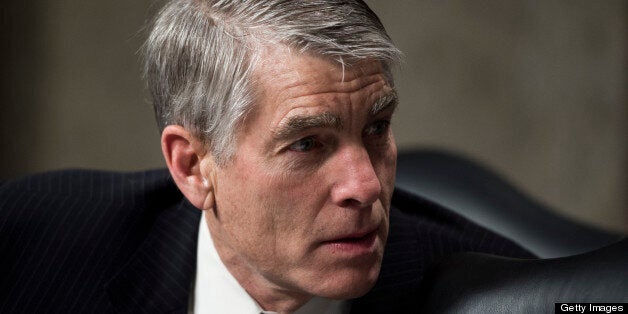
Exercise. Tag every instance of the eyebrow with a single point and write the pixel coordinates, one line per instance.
(385, 102)
(299, 123)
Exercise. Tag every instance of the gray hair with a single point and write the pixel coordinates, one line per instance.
(200, 55)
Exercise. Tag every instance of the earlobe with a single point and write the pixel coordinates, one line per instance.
(184, 156)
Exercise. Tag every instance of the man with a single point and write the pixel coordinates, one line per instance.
(275, 123)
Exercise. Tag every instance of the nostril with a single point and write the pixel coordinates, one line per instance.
(350, 203)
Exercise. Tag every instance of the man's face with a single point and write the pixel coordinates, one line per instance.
(303, 205)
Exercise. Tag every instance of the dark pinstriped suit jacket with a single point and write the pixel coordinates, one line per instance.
(87, 241)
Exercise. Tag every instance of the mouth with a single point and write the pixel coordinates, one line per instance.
(357, 243)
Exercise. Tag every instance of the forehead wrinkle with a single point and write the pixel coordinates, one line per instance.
(320, 83)
(300, 123)
(356, 83)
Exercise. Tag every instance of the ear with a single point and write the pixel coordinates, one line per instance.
(189, 164)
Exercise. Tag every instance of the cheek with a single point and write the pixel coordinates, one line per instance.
(296, 202)
(239, 205)
(267, 210)
(297, 194)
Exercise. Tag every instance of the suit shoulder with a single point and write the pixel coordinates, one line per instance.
(422, 232)
(79, 209)
(85, 182)
(67, 230)
(64, 189)
(438, 229)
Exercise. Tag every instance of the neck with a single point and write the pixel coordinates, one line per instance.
(270, 296)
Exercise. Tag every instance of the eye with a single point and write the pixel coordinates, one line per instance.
(377, 128)
(304, 145)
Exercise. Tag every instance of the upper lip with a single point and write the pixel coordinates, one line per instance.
(354, 235)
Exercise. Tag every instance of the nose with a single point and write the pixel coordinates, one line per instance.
(356, 181)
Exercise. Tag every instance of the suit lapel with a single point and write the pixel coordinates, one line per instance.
(157, 279)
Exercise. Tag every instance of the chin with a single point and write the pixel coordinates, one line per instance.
(350, 284)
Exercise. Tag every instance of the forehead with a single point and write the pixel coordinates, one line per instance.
(280, 63)
(283, 77)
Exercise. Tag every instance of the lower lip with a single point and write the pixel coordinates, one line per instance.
(354, 246)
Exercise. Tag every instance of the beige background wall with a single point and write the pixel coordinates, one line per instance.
(535, 89)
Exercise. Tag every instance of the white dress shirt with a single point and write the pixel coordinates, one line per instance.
(217, 291)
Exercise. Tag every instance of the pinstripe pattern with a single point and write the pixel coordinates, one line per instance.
(80, 241)
(86, 241)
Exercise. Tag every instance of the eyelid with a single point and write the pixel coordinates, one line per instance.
(386, 126)
(301, 140)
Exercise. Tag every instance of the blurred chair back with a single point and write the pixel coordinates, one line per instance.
(481, 283)
(482, 196)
